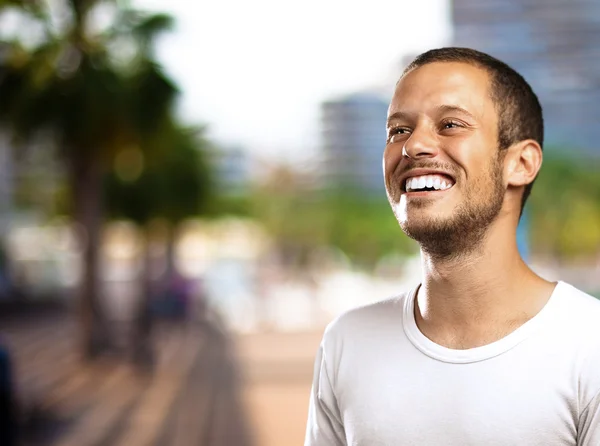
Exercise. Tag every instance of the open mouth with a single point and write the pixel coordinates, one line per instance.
(428, 183)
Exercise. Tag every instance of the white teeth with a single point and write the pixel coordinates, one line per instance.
(429, 181)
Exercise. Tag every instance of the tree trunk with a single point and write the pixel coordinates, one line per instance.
(170, 267)
(86, 186)
(143, 353)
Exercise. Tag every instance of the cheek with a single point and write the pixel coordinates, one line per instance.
(488, 178)
(392, 155)
(473, 159)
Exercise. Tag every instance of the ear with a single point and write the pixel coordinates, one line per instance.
(522, 163)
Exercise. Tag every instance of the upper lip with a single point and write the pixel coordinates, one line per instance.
(418, 172)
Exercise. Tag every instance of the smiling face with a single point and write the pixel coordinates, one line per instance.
(442, 165)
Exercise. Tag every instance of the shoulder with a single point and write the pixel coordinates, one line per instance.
(366, 321)
(579, 332)
(351, 338)
(576, 318)
(580, 312)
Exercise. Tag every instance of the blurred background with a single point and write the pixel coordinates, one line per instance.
(191, 191)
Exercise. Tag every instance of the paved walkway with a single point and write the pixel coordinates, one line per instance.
(191, 398)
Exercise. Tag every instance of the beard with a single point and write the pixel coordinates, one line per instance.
(463, 232)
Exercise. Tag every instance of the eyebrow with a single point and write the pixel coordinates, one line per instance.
(455, 109)
(399, 115)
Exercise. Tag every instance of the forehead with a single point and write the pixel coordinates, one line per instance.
(444, 84)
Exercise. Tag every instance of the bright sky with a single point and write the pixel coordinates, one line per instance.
(255, 72)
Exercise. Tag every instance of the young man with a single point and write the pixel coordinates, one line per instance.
(483, 351)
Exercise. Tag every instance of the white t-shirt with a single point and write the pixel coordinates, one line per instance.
(380, 382)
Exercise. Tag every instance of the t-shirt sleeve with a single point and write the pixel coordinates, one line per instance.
(588, 432)
(324, 426)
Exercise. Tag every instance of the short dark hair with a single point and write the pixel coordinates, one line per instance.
(519, 110)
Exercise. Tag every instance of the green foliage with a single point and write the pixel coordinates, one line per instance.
(362, 227)
(565, 208)
(78, 82)
(365, 229)
(96, 92)
(175, 183)
(235, 205)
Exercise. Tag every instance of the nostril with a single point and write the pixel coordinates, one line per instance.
(419, 145)
(418, 154)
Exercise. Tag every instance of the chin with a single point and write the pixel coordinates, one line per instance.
(438, 237)
(445, 232)
(417, 228)
(425, 222)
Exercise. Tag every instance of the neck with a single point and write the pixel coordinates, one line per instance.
(490, 286)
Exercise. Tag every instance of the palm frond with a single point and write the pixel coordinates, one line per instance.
(150, 26)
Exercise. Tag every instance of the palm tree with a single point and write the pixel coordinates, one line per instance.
(91, 90)
(171, 186)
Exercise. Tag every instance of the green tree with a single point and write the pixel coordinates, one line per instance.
(92, 90)
(300, 220)
(565, 208)
(170, 186)
(174, 183)
(363, 226)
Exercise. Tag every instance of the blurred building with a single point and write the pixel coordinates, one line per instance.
(353, 138)
(554, 45)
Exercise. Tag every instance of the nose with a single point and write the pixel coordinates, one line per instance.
(420, 145)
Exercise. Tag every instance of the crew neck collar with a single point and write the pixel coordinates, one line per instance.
(441, 353)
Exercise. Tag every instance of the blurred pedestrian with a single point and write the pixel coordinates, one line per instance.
(484, 351)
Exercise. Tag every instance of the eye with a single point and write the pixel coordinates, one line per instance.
(447, 125)
(397, 132)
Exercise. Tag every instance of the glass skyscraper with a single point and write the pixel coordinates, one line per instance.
(555, 45)
(353, 137)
